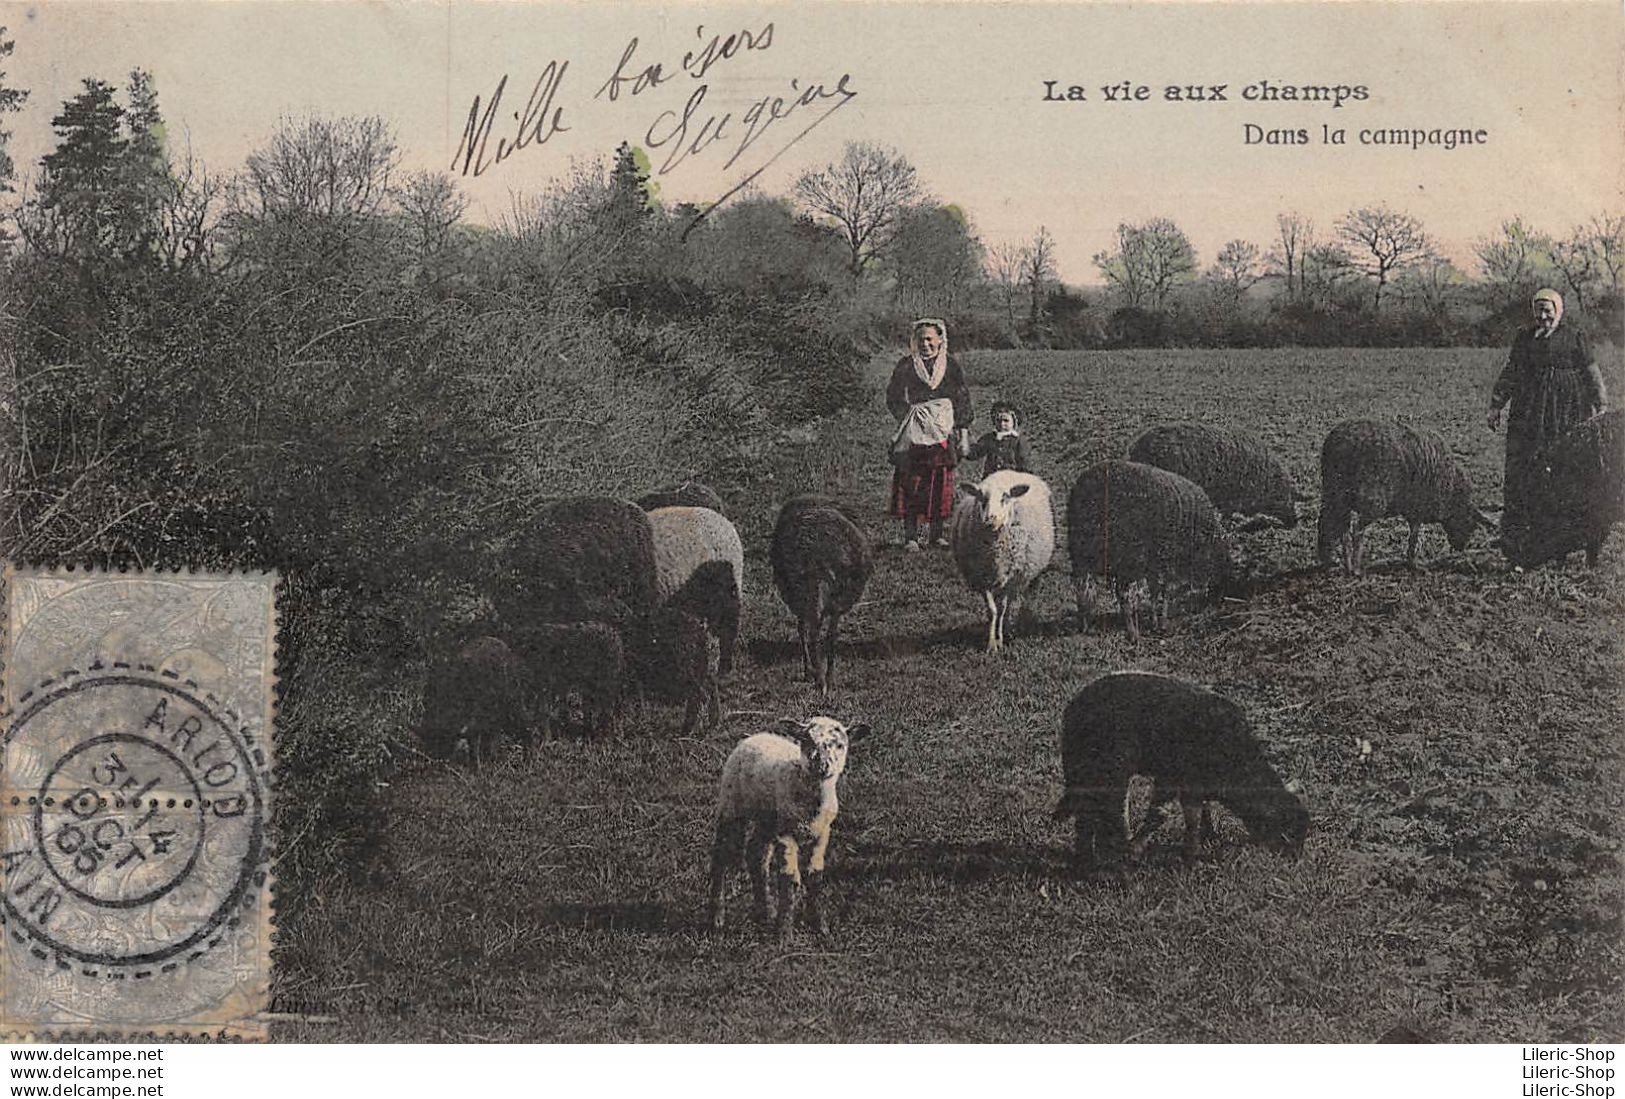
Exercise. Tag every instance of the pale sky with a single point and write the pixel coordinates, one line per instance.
(957, 88)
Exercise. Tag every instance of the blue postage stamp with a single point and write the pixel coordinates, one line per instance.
(135, 782)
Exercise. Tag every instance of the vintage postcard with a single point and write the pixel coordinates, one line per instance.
(135, 795)
(772, 504)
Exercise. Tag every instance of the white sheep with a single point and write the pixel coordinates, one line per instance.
(780, 789)
(700, 568)
(1003, 536)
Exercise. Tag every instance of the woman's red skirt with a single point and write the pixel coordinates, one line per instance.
(923, 486)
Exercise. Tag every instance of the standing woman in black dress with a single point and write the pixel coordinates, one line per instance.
(930, 401)
(1551, 383)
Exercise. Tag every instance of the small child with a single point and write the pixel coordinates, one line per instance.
(1003, 447)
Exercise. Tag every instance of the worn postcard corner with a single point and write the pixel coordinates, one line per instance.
(137, 711)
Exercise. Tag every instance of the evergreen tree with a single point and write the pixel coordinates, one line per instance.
(11, 101)
(83, 176)
(146, 177)
(627, 208)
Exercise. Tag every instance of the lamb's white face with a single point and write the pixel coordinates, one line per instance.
(824, 743)
(998, 495)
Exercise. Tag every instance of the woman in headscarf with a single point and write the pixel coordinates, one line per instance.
(1551, 383)
(930, 401)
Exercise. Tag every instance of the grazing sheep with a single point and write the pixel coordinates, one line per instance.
(1194, 745)
(1128, 522)
(689, 494)
(587, 557)
(821, 563)
(1580, 494)
(1003, 537)
(474, 697)
(686, 539)
(1234, 468)
(1372, 469)
(585, 658)
(780, 788)
(671, 651)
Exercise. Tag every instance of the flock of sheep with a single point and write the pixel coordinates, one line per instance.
(615, 593)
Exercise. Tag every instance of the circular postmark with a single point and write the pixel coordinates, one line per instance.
(134, 810)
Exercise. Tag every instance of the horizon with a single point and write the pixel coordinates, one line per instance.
(227, 72)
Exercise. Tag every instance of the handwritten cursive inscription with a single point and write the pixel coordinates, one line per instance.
(539, 121)
(677, 133)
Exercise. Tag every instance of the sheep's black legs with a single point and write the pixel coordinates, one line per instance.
(807, 633)
(727, 636)
(725, 853)
(1195, 816)
(1208, 834)
(1084, 590)
(1154, 815)
(759, 854)
(787, 868)
(829, 653)
(814, 881)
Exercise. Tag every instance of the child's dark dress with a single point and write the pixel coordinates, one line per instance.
(1009, 452)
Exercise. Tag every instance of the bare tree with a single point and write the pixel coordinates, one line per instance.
(1150, 259)
(1432, 285)
(1295, 235)
(1511, 261)
(865, 192)
(1235, 270)
(1608, 241)
(430, 206)
(1005, 264)
(1577, 260)
(1038, 271)
(335, 168)
(1381, 243)
(187, 215)
(1326, 268)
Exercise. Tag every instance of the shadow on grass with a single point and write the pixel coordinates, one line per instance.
(960, 863)
(637, 917)
(773, 651)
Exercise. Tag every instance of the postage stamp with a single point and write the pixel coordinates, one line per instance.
(137, 713)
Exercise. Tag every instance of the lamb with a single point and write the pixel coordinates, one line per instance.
(821, 564)
(780, 788)
(474, 697)
(1580, 494)
(671, 652)
(587, 557)
(1372, 469)
(1128, 522)
(1003, 537)
(1234, 468)
(585, 658)
(689, 494)
(1195, 746)
(686, 540)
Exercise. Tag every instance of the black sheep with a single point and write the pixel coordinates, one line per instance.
(821, 564)
(581, 658)
(1235, 469)
(475, 696)
(1372, 469)
(1128, 522)
(1194, 745)
(671, 652)
(585, 557)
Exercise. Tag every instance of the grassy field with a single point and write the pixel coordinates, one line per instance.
(1457, 732)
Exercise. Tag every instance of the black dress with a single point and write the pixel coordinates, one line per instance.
(1550, 383)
